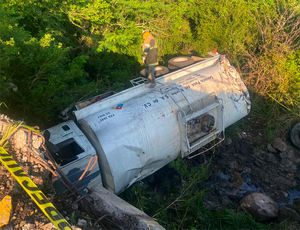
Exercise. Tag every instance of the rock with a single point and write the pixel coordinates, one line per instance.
(288, 213)
(28, 226)
(271, 149)
(48, 226)
(82, 223)
(75, 206)
(285, 194)
(246, 170)
(242, 135)
(228, 141)
(223, 176)
(75, 228)
(260, 206)
(279, 144)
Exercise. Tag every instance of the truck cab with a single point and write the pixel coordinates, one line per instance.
(74, 155)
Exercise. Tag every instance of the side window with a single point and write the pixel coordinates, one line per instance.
(67, 151)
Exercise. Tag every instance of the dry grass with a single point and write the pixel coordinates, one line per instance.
(267, 68)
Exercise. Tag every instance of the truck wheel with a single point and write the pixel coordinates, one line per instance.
(159, 70)
(179, 62)
(295, 135)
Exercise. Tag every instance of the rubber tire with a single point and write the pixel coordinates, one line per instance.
(180, 62)
(197, 59)
(295, 135)
(159, 70)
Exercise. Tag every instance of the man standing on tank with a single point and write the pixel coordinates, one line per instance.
(150, 59)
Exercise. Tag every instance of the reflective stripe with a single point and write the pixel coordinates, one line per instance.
(33, 191)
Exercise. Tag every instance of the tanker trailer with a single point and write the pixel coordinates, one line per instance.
(130, 135)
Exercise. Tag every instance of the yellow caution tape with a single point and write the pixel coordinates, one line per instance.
(33, 191)
(32, 129)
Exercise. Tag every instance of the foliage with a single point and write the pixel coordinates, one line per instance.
(117, 26)
(49, 72)
(221, 26)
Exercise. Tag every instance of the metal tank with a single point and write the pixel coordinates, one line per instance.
(141, 129)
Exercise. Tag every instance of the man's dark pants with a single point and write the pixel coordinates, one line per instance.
(150, 73)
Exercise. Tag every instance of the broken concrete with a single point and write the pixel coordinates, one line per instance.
(105, 204)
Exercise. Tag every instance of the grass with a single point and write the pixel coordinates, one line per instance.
(8, 133)
(176, 201)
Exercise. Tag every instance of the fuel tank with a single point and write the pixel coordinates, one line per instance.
(141, 129)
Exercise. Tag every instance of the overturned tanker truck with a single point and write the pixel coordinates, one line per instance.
(127, 136)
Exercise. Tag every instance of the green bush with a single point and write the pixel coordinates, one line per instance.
(46, 77)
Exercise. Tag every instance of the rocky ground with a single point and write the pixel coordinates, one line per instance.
(239, 169)
(25, 214)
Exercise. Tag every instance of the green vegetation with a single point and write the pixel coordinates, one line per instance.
(174, 198)
(53, 53)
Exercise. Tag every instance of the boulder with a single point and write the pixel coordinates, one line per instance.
(279, 144)
(82, 223)
(260, 206)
